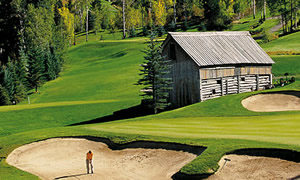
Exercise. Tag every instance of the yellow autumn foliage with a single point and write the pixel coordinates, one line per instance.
(160, 13)
(68, 19)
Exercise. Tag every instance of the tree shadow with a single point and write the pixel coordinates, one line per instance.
(132, 112)
(1, 158)
(70, 176)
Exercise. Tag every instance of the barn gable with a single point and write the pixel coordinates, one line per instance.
(220, 48)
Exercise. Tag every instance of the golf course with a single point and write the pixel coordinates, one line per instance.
(99, 79)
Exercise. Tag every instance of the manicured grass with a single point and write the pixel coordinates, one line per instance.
(247, 24)
(286, 64)
(286, 43)
(99, 79)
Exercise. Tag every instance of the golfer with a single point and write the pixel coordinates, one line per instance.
(89, 162)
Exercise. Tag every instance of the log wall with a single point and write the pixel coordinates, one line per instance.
(217, 87)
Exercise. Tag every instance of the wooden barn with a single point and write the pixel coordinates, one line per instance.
(207, 65)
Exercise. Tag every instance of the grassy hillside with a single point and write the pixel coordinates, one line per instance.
(99, 79)
(286, 43)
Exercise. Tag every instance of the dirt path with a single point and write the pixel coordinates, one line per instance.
(244, 167)
(272, 102)
(64, 158)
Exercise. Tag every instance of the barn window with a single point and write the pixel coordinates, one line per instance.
(219, 82)
(213, 91)
(173, 51)
(243, 79)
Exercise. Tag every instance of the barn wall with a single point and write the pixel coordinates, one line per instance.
(185, 75)
(217, 72)
(216, 82)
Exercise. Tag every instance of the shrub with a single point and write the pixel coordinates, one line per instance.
(267, 36)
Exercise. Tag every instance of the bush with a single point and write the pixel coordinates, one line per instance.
(267, 36)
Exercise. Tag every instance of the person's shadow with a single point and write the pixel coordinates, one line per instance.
(69, 176)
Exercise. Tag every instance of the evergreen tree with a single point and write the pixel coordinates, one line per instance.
(15, 89)
(4, 98)
(36, 68)
(21, 67)
(154, 77)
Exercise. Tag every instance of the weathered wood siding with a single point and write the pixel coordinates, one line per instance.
(208, 73)
(216, 87)
(185, 75)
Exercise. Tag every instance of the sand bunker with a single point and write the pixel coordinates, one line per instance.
(64, 158)
(287, 101)
(253, 167)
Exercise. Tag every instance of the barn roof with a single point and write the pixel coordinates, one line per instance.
(220, 48)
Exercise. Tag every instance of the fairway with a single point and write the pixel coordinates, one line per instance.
(99, 79)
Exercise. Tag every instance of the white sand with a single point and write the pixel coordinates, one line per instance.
(244, 167)
(272, 102)
(64, 158)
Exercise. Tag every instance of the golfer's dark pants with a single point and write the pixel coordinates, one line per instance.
(88, 164)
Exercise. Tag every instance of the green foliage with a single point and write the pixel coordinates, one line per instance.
(4, 97)
(145, 31)
(267, 36)
(38, 26)
(160, 30)
(132, 32)
(154, 81)
(36, 68)
(218, 14)
(185, 25)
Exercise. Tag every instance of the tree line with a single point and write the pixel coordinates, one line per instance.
(34, 38)
(36, 33)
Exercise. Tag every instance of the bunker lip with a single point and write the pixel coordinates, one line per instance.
(49, 159)
(273, 101)
(284, 157)
(270, 163)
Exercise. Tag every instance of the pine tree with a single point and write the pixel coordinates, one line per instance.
(15, 89)
(21, 67)
(154, 77)
(4, 98)
(36, 68)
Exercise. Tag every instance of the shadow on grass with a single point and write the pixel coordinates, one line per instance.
(132, 112)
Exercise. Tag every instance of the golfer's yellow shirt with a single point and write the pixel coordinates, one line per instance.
(89, 156)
